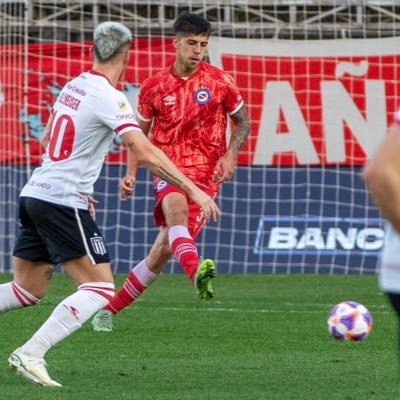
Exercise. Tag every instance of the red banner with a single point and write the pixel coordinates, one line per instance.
(310, 102)
(31, 78)
(313, 102)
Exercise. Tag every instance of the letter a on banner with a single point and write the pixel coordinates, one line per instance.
(279, 97)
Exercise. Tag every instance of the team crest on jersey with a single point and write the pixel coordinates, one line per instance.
(99, 247)
(122, 106)
(202, 96)
(160, 185)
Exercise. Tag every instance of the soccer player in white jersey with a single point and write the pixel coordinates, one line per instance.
(382, 176)
(56, 226)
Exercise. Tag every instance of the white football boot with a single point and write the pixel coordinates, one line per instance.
(31, 367)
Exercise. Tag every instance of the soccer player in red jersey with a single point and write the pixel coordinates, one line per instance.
(186, 106)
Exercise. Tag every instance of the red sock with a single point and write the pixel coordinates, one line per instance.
(184, 249)
(137, 281)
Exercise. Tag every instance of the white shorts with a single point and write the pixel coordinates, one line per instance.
(389, 272)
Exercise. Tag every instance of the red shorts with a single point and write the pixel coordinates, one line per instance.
(196, 220)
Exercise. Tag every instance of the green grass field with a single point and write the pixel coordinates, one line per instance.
(262, 337)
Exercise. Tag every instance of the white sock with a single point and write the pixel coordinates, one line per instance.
(176, 232)
(14, 296)
(69, 316)
(142, 272)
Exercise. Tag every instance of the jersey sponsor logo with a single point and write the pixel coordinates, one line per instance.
(42, 185)
(391, 266)
(169, 100)
(202, 96)
(76, 89)
(160, 185)
(99, 247)
(120, 117)
(319, 236)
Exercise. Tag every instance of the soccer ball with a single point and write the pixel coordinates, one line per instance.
(349, 320)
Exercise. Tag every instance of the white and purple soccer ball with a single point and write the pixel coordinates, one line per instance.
(349, 320)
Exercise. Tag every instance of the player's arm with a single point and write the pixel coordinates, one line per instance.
(382, 176)
(127, 183)
(44, 139)
(145, 126)
(160, 165)
(225, 167)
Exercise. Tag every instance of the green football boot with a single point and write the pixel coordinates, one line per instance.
(205, 273)
(103, 321)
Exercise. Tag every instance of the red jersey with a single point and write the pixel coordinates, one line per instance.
(190, 116)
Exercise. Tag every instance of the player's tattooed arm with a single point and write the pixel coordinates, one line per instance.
(166, 176)
(240, 131)
(225, 166)
(154, 159)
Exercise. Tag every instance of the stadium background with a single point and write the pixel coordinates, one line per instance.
(320, 81)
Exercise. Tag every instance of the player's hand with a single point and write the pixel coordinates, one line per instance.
(126, 186)
(91, 204)
(207, 205)
(224, 168)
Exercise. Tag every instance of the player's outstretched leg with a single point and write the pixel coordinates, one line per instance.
(103, 321)
(205, 273)
(138, 279)
(31, 367)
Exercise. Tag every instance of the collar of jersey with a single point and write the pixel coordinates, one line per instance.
(92, 71)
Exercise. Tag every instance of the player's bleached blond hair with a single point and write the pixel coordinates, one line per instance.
(109, 39)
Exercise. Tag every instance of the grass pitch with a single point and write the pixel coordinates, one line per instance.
(261, 337)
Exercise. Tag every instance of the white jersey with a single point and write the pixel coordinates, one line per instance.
(389, 272)
(87, 115)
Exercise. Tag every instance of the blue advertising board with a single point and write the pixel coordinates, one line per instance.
(275, 220)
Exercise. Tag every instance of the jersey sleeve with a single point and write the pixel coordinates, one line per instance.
(397, 116)
(233, 99)
(116, 112)
(145, 103)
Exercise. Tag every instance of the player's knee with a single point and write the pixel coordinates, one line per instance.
(26, 294)
(160, 249)
(161, 254)
(158, 257)
(165, 250)
(29, 290)
(100, 292)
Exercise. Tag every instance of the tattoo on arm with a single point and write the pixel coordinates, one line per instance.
(165, 175)
(241, 129)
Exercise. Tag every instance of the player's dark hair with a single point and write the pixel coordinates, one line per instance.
(190, 23)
